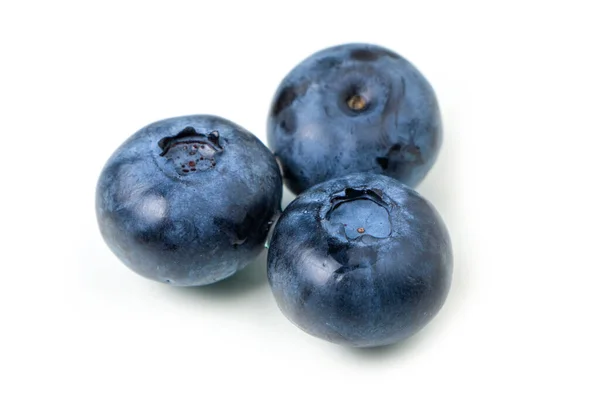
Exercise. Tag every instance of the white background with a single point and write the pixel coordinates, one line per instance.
(516, 183)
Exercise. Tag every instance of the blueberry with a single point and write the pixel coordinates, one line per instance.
(354, 108)
(188, 200)
(361, 260)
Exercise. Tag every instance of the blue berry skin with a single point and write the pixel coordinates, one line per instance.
(360, 261)
(354, 108)
(188, 200)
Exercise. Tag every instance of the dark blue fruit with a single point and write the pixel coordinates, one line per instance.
(361, 260)
(354, 108)
(188, 200)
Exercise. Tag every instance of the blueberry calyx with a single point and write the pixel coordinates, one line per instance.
(358, 213)
(191, 151)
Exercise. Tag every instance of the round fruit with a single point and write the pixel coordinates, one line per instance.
(354, 108)
(361, 260)
(188, 200)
